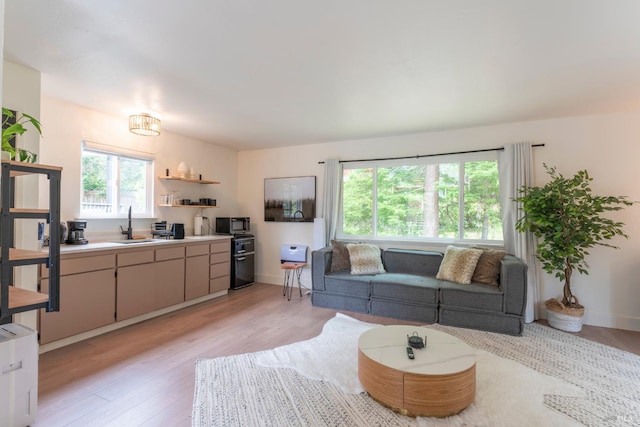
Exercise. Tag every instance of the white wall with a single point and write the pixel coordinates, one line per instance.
(605, 145)
(65, 126)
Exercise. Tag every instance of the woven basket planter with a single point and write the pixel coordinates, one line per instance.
(564, 318)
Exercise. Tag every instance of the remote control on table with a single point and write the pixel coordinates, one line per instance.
(410, 354)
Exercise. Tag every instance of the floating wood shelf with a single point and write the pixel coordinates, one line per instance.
(188, 206)
(197, 181)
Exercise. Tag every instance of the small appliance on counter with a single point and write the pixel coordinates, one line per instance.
(177, 230)
(197, 225)
(75, 234)
(233, 225)
(159, 230)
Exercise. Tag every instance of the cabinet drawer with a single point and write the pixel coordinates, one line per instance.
(169, 253)
(222, 246)
(194, 250)
(218, 258)
(83, 264)
(132, 258)
(219, 284)
(217, 270)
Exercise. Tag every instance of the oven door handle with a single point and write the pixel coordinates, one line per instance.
(241, 251)
(241, 259)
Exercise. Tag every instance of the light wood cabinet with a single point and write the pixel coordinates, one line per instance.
(196, 277)
(136, 287)
(220, 266)
(103, 288)
(169, 278)
(88, 297)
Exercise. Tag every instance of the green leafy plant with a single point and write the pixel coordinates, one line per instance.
(569, 219)
(18, 128)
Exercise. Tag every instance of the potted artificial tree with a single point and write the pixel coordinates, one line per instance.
(568, 220)
(9, 131)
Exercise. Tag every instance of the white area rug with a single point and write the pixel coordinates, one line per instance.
(566, 381)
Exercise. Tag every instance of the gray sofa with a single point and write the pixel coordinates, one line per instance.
(409, 290)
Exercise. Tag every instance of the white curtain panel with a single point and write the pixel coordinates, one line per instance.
(515, 168)
(332, 173)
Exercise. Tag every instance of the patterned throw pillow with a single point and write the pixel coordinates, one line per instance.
(488, 268)
(340, 256)
(459, 264)
(365, 258)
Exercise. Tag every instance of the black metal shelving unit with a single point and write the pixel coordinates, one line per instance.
(17, 300)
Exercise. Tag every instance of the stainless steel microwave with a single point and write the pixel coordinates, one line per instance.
(233, 225)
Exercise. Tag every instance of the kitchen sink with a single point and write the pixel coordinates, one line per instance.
(129, 242)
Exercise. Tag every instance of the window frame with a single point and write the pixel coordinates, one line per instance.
(120, 153)
(461, 159)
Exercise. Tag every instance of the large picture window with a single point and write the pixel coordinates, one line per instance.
(114, 179)
(442, 198)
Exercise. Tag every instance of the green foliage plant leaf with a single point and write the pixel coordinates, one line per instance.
(18, 128)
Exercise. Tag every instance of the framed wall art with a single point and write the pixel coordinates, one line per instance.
(290, 199)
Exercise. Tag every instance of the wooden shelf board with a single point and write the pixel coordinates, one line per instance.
(27, 210)
(33, 165)
(188, 206)
(22, 254)
(197, 181)
(22, 297)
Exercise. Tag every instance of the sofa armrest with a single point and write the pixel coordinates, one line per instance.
(513, 282)
(320, 265)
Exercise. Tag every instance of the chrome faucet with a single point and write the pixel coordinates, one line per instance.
(129, 230)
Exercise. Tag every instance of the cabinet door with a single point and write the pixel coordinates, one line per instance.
(136, 290)
(87, 301)
(196, 277)
(169, 282)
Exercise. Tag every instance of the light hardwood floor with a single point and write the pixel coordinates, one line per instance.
(143, 375)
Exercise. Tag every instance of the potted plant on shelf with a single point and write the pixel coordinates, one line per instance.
(17, 128)
(568, 220)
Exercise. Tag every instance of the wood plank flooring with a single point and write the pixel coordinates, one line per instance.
(143, 375)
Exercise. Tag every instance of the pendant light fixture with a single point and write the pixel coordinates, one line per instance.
(144, 124)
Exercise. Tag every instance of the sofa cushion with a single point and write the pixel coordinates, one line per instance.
(340, 256)
(488, 267)
(365, 258)
(459, 264)
(403, 310)
(345, 284)
(405, 287)
(409, 261)
(476, 296)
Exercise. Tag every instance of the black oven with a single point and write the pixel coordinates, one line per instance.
(243, 260)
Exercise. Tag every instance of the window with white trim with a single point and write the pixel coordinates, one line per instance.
(115, 178)
(448, 198)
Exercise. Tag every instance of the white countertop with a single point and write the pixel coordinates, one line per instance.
(115, 244)
(444, 353)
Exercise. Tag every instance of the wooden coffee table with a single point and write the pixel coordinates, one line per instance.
(439, 382)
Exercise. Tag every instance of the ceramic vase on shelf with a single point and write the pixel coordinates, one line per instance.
(183, 170)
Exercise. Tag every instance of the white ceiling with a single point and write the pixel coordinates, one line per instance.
(263, 73)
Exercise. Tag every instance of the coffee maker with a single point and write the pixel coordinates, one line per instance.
(75, 232)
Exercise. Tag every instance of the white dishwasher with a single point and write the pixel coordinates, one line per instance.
(18, 375)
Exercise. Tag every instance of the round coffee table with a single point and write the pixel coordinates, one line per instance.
(439, 382)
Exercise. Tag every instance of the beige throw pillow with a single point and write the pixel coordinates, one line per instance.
(458, 264)
(488, 268)
(340, 256)
(365, 258)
